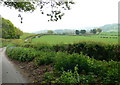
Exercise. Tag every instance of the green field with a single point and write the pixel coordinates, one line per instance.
(110, 38)
(25, 35)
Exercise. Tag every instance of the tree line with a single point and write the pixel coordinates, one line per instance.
(76, 32)
(93, 31)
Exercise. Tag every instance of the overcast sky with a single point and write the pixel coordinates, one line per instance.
(85, 13)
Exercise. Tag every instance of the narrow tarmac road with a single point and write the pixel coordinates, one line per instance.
(10, 74)
(0, 66)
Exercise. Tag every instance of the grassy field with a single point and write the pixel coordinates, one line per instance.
(25, 35)
(110, 38)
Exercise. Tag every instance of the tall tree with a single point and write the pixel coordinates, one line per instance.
(77, 32)
(99, 30)
(82, 31)
(94, 31)
(50, 32)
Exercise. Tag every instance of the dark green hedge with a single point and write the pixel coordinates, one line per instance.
(96, 50)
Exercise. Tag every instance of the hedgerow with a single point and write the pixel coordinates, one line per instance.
(21, 53)
(106, 71)
(96, 62)
(99, 51)
(44, 58)
(89, 70)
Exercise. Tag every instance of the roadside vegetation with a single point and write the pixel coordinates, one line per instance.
(67, 59)
(80, 63)
(83, 62)
(70, 57)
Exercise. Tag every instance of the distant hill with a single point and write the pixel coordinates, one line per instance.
(110, 28)
(105, 28)
(42, 31)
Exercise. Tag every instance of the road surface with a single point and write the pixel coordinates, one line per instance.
(9, 73)
(0, 67)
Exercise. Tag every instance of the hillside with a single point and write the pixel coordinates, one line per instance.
(110, 28)
(9, 31)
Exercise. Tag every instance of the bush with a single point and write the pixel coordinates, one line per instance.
(44, 58)
(69, 77)
(106, 71)
(21, 53)
(97, 50)
(74, 78)
(68, 62)
(41, 46)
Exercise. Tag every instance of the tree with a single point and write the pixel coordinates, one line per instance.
(18, 33)
(9, 31)
(56, 10)
(94, 31)
(50, 32)
(99, 30)
(82, 31)
(77, 32)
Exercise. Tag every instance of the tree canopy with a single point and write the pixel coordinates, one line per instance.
(94, 31)
(50, 32)
(99, 30)
(77, 32)
(57, 6)
(82, 31)
(9, 31)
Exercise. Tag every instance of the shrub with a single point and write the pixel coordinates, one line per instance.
(106, 71)
(68, 62)
(73, 78)
(97, 50)
(21, 53)
(69, 77)
(49, 76)
(41, 46)
(44, 58)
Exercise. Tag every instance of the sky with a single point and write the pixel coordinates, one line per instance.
(85, 13)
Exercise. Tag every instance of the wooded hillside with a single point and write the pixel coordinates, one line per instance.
(9, 31)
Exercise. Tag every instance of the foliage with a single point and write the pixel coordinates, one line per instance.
(50, 32)
(5, 42)
(94, 31)
(97, 50)
(106, 72)
(73, 78)
(21, 6)
(99, 30)
(55, 14)
(82, 31)
(69, 77)
(44, 58)
(84, 63)
(77, 32)
(21, 53)
(88, 70)
(9, 31)
(49, 76)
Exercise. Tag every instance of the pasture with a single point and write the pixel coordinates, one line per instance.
(109, 38)
(26, 35)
